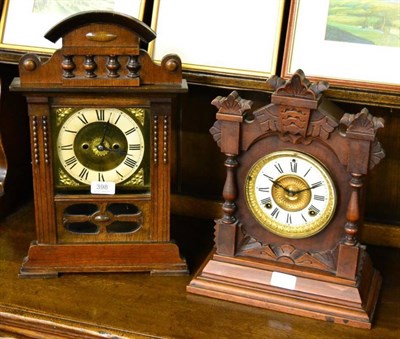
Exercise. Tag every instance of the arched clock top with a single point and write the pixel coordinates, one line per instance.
(101, 50)
(75, 21)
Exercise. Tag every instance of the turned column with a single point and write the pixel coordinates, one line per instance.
(226, 131)
(361, 133)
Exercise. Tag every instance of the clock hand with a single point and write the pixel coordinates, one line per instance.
(115, 150)
(308, 188)
(101, 146)
(277, 183)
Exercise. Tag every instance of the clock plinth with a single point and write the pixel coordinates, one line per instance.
(295, 173)
(101, 115)
(44, 261)
(323, 297)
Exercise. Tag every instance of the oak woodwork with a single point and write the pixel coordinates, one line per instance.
(101, 65)
(247, 255)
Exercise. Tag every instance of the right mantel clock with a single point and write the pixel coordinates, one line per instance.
(293, 206)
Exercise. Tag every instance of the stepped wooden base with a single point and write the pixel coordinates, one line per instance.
(50, 260)
(315, 295)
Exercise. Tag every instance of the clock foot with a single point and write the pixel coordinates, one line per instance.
(46, 261)
(278, 288)
(39, 273)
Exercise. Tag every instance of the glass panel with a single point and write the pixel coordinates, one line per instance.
(82, 227)
(123, 227)
(79, 209)
(117, 209)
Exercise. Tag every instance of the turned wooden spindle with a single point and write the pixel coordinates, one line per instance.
(230, 190)
(68, 66)
(90, 66)
(353, 210)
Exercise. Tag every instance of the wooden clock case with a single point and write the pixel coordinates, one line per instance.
(101, 64)
(334, 278)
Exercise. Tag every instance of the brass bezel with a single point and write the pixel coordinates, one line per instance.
(283, 229)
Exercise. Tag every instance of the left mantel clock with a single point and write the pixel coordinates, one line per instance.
(100, 115)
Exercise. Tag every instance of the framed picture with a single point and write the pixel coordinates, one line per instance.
(25, 22)
(219, 36)
(350, 43)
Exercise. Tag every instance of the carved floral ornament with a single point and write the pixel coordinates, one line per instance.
(298, 86)
(364, 126)
(233, 104)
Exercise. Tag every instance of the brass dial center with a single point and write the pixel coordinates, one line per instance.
(100, 147)
(292, 194)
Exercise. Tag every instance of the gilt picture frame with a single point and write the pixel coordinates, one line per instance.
(345, 42)
(219, 34)
(24, 23)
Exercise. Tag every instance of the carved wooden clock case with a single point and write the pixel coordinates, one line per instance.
(293, 206)
(100, 115)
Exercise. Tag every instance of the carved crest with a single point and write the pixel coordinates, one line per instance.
(298, 86)
(294, 110)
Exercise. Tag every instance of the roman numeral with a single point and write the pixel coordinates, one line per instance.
(71, 162)
(319, 197)
(84, 173)
(312, 210)
(134, 147)
(121, 176)
(275, 213)
(100, 114)
(116, 120)
(316, 184)
(100, 177)
(288, 218)
(293, 166)
(270, 178)
(130, 131)
(278, 167)
(305, 174)
(130, 162)
(266, 201)
(83, 119)
(66, 147)
(263, 189)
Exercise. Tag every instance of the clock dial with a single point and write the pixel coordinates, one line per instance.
(100, 144)
(291, 194)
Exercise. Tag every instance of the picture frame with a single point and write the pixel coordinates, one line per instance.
(341, 47)
(40, 16)
(219, 35)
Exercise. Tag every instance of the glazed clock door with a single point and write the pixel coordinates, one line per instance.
(102, 161)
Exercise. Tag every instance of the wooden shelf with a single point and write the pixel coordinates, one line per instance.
(132, 305)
